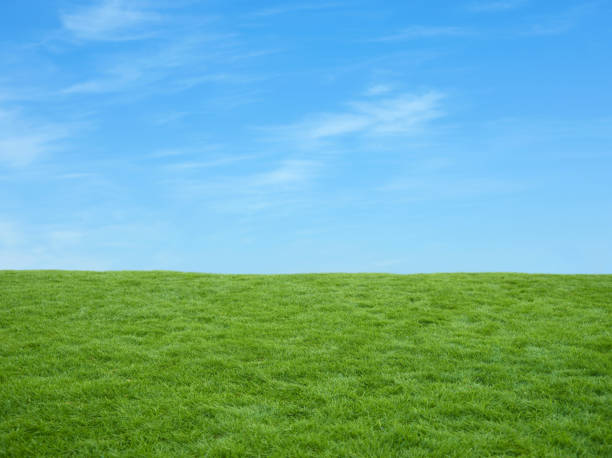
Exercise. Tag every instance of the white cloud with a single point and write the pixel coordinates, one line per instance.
(437, 178)
(288, 173)
(294, 8)
(180, 55)
(331, 125)
(286, 184)
(170, 117)
(198, 164)
(378, 89)
(168, 152)
(75, 176)
(110, 20)
(555, 26)
(61, 237)
(40, 246)
(448, 186)
(493, 6)
(419, 31)
(98, 86)
(279, 187)
(561, 22)
(399, 115)
(179, 63)
(22, 141)
(10, 234)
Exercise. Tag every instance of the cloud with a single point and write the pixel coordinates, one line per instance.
(399, 115)
(180, 63)
(22, 141)
(212, 163)
(62, 237)
(180, 55)
(495, 6)
(288, 173)
(69, 246)
(378, 89)
(75, 176)
(279, 186)
(109, 84)
(449, 186)
(170, 117)
(110, 20)
(284, 9)
(440, 178)
(561, 22)
(10, 234)
(375, 123)
(419, 31)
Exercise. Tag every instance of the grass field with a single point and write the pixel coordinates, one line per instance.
(172, 364)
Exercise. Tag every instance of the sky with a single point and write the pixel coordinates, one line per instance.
(306, 136)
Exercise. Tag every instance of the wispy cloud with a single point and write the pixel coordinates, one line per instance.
(284, 9)
(211, 163)
(495, 6)
(113, 82)
(70, 245)
(559, 23)
(550, 28)
(168, 152)
(448, 186)
(378, 89)
(62, 237)
(179, 63)
(273, 187)
(419, 31)
(399, 115)
(284, 175)
(440, 178)
(170, 117)
(287, 173)
(75, 176)
(282, 187)
(10, 234)
(378, 118)
(23, 141)
(180, 53)
(321, 142)
(110, 20)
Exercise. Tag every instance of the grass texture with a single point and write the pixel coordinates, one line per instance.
(174, 364)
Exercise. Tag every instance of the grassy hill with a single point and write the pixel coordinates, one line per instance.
(171, 364)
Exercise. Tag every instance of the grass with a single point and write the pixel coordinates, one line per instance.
(172, 364)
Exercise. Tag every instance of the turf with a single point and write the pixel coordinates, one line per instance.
(173, 364)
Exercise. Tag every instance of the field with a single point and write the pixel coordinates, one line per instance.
(173, 364)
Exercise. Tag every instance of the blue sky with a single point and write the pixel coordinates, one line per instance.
(314, 136)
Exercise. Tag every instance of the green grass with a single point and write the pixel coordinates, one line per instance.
(171, 364)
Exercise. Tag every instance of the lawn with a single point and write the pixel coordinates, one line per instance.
(175, 364)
